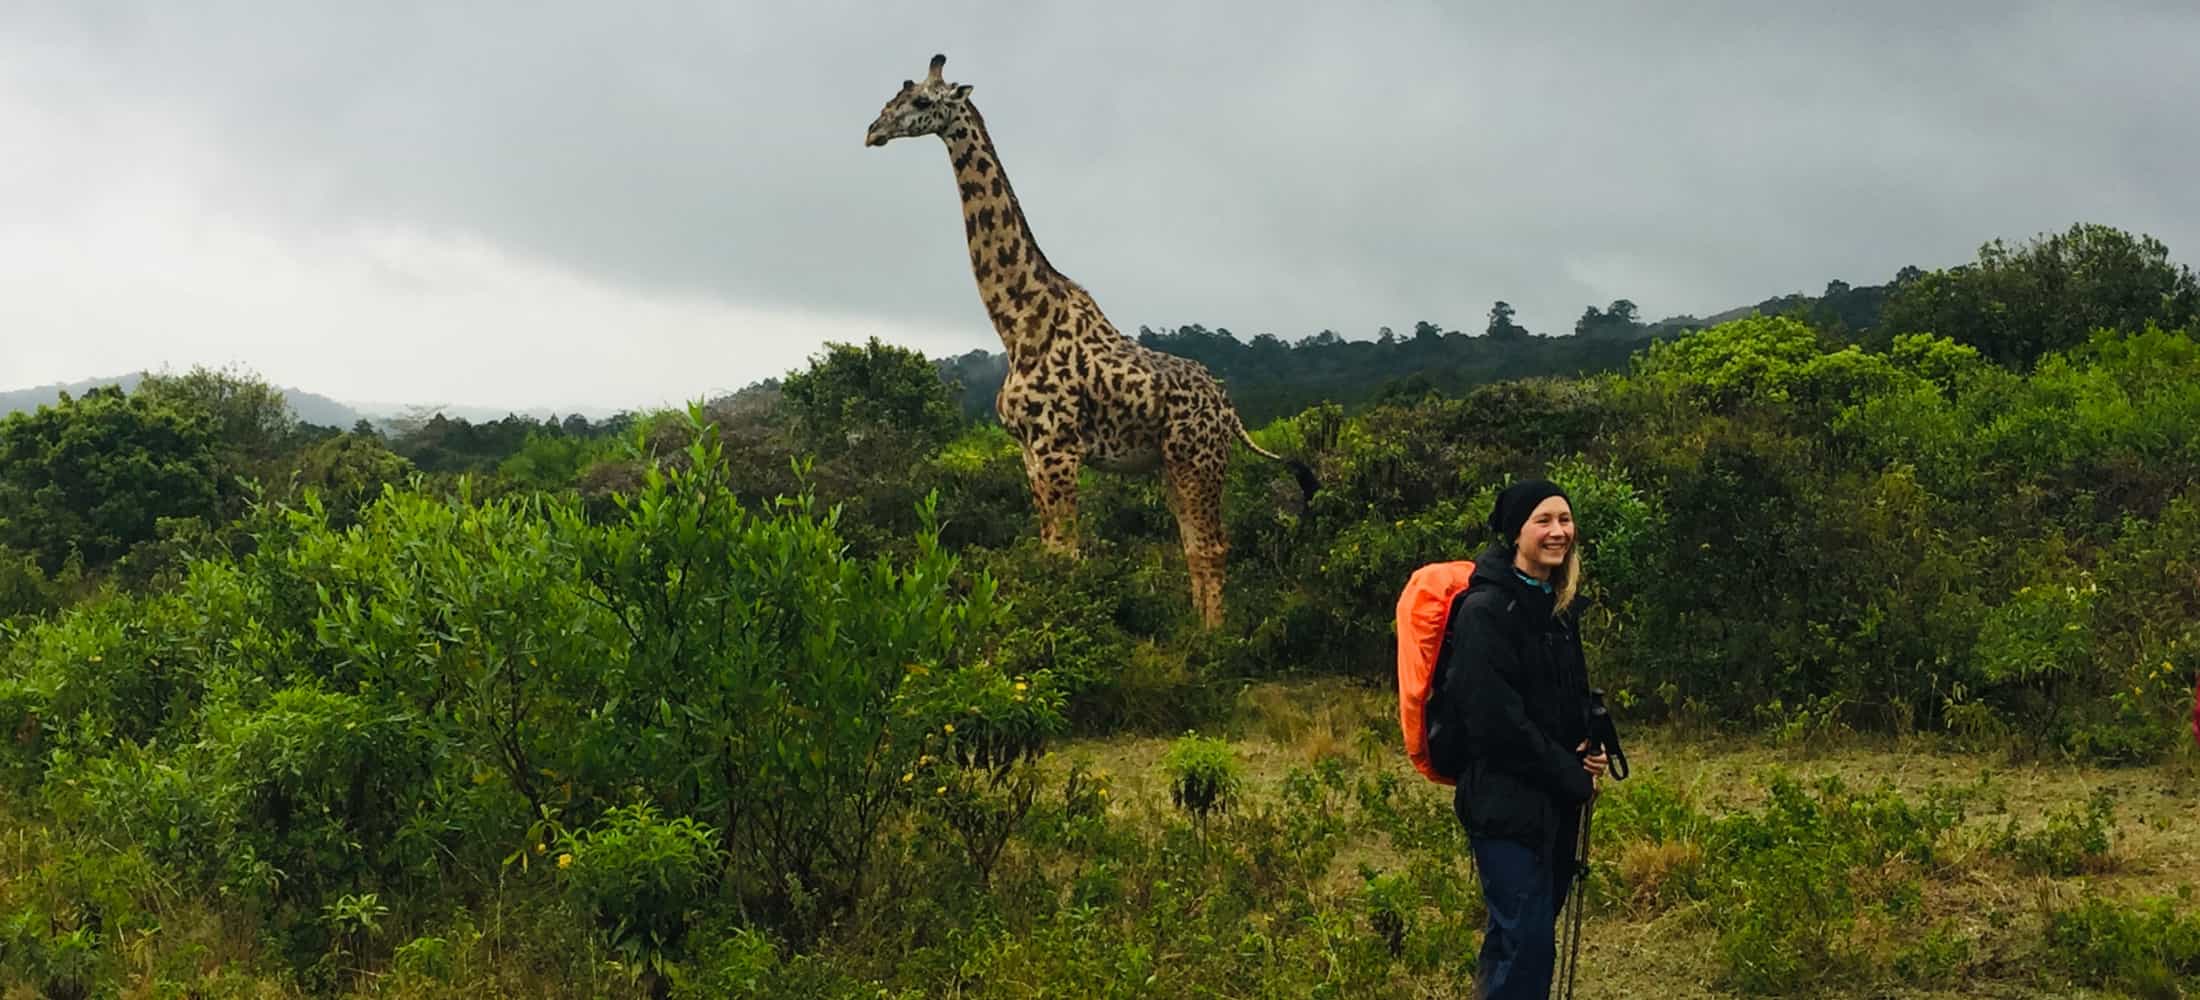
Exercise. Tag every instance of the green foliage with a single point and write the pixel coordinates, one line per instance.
(2071, 842)
(1271, 380)
(381, 708)
(1622, 526)
(811, 691)
(346, 472)
(877, 398)
(1204, 775)
(2035, 647)
(1789, 888)
(2016, 304)
(1948, 365)
(2150, 948)
(249, 418)
(553, 461)
(323, 784)
(639, 875)
(441, 444)
(92, 476)
(25, 588)
(1760, 359)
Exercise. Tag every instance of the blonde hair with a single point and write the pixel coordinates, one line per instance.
(1566, 581)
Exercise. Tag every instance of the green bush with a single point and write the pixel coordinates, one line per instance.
(323, 783)
(2149, 947)
(2034, 649)
(25, 589)
(1204, 775)
(766, 666)
(640, 875)
(2070, 842)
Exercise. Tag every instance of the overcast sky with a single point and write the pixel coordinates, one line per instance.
(612, 205)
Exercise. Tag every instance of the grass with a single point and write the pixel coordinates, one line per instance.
(1978, 897)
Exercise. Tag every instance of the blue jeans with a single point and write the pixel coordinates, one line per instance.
(1524, 892)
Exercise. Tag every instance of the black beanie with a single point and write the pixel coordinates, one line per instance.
(1517, 502)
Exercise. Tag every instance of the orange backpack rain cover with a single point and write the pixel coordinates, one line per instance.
(1423, 610)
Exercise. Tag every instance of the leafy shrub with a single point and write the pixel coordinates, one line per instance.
(2149, 947)
(1788, 885)
(64, 919)
(171, 807)
(1392, 902)
(1204, 775)
(323, 783)
(981, 769)
(25, 589)
(2071, 842)
(773, 681)
(639, 875)
(2035, 647)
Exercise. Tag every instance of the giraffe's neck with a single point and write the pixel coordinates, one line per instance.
(1014, 279)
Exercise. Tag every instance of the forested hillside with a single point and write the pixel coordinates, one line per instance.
(779, 696)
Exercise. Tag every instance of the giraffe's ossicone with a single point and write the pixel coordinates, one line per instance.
(1077, 390)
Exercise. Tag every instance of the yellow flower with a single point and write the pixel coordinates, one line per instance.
(942, 790)
(925, 760)
(565, 861)
(907, 778)
(539, 848)
(949, 729)
(1021, 685)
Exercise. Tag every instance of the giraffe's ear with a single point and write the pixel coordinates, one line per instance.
(906, 84)
(962, 90)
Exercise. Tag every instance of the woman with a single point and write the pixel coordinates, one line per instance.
(1515, 681)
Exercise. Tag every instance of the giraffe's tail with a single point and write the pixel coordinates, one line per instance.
(1301, 471)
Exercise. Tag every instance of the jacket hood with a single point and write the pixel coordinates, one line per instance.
(1495, 565)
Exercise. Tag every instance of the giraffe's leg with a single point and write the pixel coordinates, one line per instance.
(1053, 475)
(1195, 493)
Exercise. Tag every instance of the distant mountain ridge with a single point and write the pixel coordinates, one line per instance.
(310, 407)
(1267, 377)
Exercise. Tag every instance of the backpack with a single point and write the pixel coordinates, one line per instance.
(1424, 614)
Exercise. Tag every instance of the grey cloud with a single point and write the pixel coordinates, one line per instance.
(1265, 166)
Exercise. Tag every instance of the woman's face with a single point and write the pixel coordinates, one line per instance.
(1549, 535)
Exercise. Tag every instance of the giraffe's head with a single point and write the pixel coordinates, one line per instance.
(921, 108)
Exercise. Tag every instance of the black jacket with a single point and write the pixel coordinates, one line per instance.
(1514, 693)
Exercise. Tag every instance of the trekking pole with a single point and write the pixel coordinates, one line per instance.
(1605, 736)
(1580, 891)
(1571, 924)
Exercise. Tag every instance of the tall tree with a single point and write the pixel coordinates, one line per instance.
(1501, 325)
(248, 416)
(2015, 304)
(96, 474)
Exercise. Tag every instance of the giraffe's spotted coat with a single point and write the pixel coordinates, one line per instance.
(1077, 390)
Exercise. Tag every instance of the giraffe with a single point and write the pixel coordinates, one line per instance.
(1078, 392)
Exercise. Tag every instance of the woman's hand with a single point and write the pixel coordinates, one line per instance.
(1595, 763)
